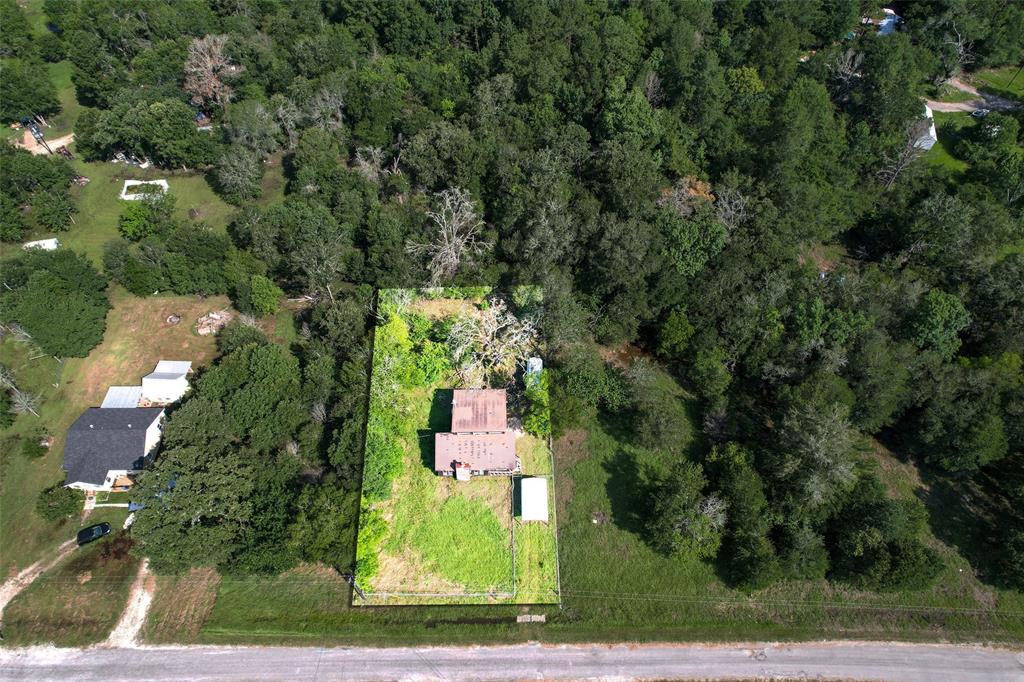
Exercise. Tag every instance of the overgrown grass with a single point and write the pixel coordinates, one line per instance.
(425, 538)
(180, 606)
(78, 602)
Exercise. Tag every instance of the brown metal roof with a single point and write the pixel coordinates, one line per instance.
(483, 452)
(479, 410)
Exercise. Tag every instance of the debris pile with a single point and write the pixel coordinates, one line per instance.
(212, 322)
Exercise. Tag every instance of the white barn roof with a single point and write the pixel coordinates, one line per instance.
(533, 496)
(167, 382)
(122, 396)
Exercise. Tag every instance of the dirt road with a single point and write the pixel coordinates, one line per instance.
(983, 101)
(827, 660)
(12, 587)
(126, 632)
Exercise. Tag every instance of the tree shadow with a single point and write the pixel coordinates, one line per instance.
(439, 419)
(628, 492)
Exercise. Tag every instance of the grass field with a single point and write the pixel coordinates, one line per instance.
(1005, 81)
(949, 125)
(76, 603)
(180, 606)
(430, 539)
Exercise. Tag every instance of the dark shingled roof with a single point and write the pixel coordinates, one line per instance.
(106, 438)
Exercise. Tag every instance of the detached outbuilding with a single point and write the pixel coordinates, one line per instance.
(926, 135)
(167, 383)
(533, 499)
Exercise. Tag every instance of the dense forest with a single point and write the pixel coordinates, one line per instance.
(730, 187)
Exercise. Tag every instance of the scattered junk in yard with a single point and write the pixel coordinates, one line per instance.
(80, 180)
(173, 319)
(129, 521)
(203, 121)
(134, 190)
(599, 517)
(193, 213)
(65, 152)
(131, 160)
(212, 322)
(531, 618)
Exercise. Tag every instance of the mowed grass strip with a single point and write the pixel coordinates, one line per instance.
(76, 603)
(181, 604)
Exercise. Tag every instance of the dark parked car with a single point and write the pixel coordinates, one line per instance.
(87, 535)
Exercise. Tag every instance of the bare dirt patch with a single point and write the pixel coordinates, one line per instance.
(624, 356)
(181, 605)
(398, 571)
(441, 308)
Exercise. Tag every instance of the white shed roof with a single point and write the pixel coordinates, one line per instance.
(122, 396)
(44, 244)
(171, 369)
(533, 496)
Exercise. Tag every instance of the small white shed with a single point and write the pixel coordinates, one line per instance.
(122, 397)
(533, 499)
(44, 244)
(927, 136)
(167, 382)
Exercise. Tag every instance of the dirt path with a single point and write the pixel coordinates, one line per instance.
(984, 101)
(126, 633)
(11, 588)
(29, 142)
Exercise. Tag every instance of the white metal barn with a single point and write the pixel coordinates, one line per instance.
(533, 499)
(167, 382)
(122, 397)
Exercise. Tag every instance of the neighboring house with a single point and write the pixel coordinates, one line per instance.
(479, 443)
(107, 447)
(43, 244)
(167, 383)
(927, 136)
(533, 499)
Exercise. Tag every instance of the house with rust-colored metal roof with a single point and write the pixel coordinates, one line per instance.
(479, 443)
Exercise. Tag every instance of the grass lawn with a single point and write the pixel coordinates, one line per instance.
(431, 539)
(76, 603)
(180, 606)
(99, 206)
(1005, 81)
(949, 125)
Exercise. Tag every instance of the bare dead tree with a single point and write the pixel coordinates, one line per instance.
(321, 262)
(845, 70)
(456, 238)
(288, 117)
(206, 67)
(653, 90)
(326, 109)
(732, 207)
(318, 413)
(896, 162)
(22, 403)
(7, 378)
(959, 54)
(492, 342)
(370, 162)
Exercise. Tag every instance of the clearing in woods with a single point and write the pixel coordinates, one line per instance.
(429, 539)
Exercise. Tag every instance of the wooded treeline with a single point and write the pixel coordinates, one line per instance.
(731, 186)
